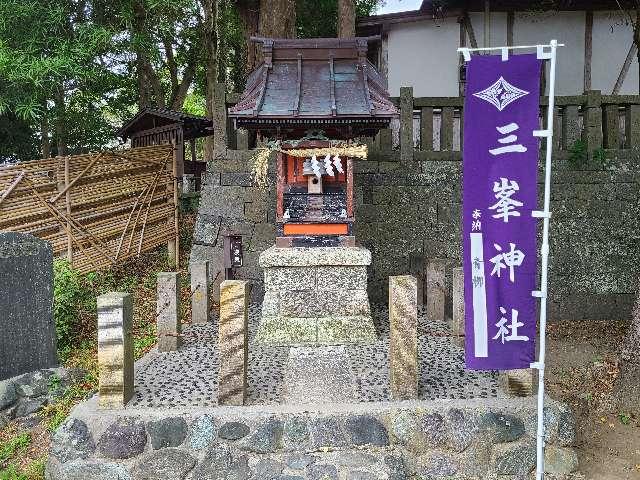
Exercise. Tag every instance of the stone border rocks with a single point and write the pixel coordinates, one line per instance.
(472, 439)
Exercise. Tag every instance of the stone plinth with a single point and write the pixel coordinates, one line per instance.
(28, 339)
(232, 342)
(115, 349)
(168, 312)
(315, 296)
(403, 335)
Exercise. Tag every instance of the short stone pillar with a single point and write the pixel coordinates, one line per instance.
(457, 317)
(517, 383)
(168, 312)
(403, 347)
(199, 292)
(435, 289)
(232, 342)
(28, 339)
(115, 349)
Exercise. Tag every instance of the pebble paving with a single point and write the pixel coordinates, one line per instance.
(188, 377)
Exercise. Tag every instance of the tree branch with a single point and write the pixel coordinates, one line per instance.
(171, 62)
(155, 83)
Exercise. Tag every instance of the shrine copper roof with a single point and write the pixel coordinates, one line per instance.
(323, 82)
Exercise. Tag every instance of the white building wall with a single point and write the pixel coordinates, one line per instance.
(612, 37)
(423, 54)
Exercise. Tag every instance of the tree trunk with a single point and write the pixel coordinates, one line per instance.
(60, 121)
(211, 69)
(277, 19)
(248, 11)
(628, 383)
(45, 143)
(346, 18)
(141, 56)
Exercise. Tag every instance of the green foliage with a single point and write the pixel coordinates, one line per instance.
(577, 154)
(580, 159)
(70, 296)
(624, 418)
(14, 446)
(33, 471)
(319, 18)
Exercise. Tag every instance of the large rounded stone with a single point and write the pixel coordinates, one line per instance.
(203, 432)
(218, 463)
(82, 470)
(434, 430)
(268, 469)
(266, 439)
(560, 461)
(395, 464)
(436, 465)
(298, 461)
(233, 431)
(124, 438)
(326, 432)
(72, 440)
(28, 406)
(296, 434)
(366, 430)
(502, 427)
(518, 460)
(322, 472)
(463, 429)
(8, 395)
(33, 384)
(405, 427)
(167, 432)
(170, 463)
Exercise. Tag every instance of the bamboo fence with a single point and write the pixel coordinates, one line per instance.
(96, 209)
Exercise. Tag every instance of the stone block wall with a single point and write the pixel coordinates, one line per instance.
(409, 212)
(409, 441)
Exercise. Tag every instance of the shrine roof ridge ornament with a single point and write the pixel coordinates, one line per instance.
(328, 82)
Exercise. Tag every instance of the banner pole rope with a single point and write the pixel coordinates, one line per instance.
(544, 250)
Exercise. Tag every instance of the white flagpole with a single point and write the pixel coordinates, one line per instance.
(545, 214)
(544, 252)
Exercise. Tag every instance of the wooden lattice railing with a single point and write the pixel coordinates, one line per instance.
(97, 209)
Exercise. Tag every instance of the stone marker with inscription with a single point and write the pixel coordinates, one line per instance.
(168, 312)
(115, 349)
(28, 340)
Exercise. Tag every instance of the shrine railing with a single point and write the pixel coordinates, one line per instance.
(582, 123)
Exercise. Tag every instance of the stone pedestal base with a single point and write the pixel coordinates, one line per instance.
(315, 296)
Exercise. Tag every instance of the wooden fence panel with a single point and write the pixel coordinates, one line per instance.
(97, 209)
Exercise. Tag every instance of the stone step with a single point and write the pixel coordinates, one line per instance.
(319, 375)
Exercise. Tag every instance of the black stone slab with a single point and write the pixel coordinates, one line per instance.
(27, 339)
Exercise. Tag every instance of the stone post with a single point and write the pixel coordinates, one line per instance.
(592, 121)
(406, 124)
(403, 348)
(517, 383)
(28, 338)
(232, 342)
(632, 126)
(115, 349)
(435, 289)
(457, 318)
(168, 312)
(199, 292)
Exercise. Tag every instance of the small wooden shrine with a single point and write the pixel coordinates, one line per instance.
(311, 100)
(314, 96)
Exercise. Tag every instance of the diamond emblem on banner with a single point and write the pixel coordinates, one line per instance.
(501, 94)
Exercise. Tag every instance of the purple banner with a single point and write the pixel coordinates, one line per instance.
(500, 166)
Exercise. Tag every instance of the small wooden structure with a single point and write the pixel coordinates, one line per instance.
(307, 93)
(155, 126)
